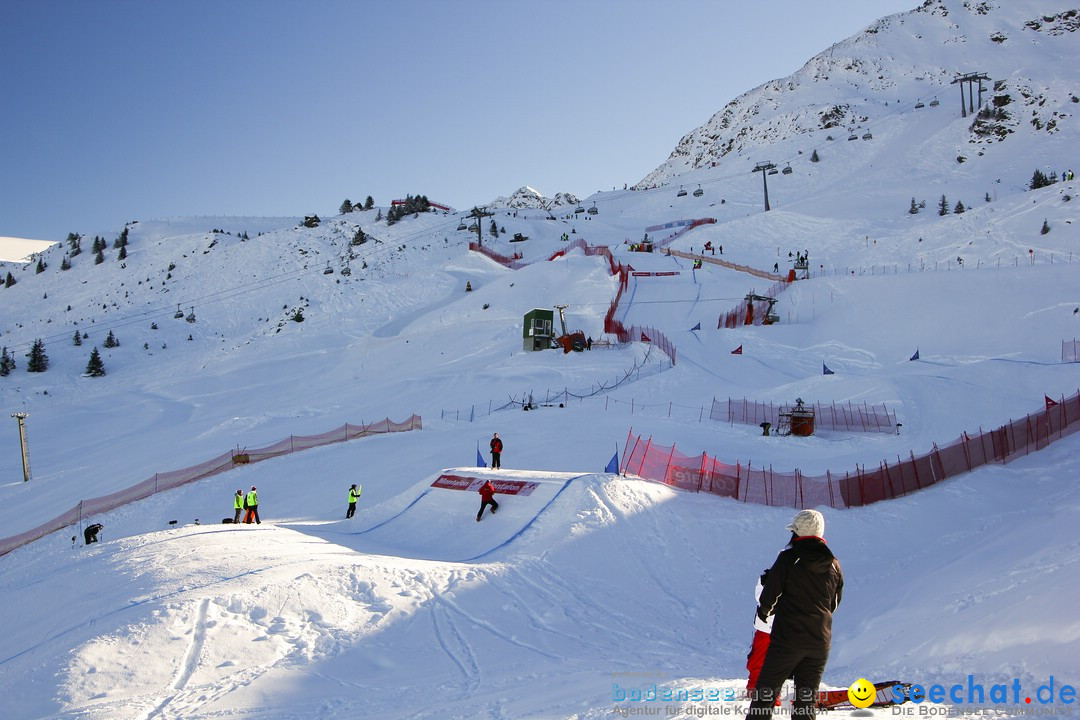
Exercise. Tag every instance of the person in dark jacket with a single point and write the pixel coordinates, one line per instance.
(487, 497)
(91, 532)
(252, 505)
(496, 451)
(802, 589)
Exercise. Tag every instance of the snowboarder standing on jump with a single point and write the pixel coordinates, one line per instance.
(238, 506)
(354, 495)
(803, 589)
(487, 496)
(252, 504)
(496, 451)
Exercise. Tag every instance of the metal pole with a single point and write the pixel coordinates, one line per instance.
(21, 416)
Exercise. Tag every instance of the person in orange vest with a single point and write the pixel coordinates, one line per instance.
(252, 504)
(487, 497)
(496, 451)
(238, 506)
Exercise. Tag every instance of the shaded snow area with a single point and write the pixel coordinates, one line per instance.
(586, 590)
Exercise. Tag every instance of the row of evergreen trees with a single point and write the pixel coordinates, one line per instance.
(38, 361)
(348, 206)
(411, 206)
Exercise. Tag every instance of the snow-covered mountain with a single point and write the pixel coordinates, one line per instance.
(875, 80)
(526, 198)
(241, 333)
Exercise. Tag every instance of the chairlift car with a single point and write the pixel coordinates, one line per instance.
(593, 210)
(191, 316)
(329, 270)
(179, 313)
(919, 104)
(579, 209)
(935, 103)
(681, 193)
(773, 171)
(462, 226)
(787, 169)
(853, 136)
(867, 136)
(699, 192)
(346, 271)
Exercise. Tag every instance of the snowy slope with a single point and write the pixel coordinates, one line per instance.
(412, 609)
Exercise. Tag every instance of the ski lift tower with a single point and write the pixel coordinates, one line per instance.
(21, 416)
(763, 168)
(969, 79)
(479, 213)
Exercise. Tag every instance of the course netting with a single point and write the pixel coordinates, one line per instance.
(847, 418)
(861, 486)
(226, 461)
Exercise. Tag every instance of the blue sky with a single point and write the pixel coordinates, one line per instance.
(122, 110)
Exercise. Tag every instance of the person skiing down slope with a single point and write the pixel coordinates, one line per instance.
(487, 497)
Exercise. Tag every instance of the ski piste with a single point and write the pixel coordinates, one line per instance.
(838, 699)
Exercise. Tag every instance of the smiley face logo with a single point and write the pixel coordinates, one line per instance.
(862, 692)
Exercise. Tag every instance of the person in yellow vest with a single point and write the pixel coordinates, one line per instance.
(238, 506)
(252, 502)
(354, 495)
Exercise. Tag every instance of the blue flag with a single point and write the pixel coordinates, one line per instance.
(916, 355)
(825, 369)
(613, 464)
(480, 462)
(696, 327)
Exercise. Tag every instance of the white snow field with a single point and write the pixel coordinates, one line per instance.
(591, 584)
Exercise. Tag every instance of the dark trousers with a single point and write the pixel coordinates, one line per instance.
(495, 462)
(781, 663)
(494, 506)
(351, 511)
(236, 517)
(253, 512)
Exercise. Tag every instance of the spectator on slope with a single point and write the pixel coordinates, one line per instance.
(238, 506)
(91, 532)
(802, 589)
(252, 504)
(487, 497)
(496, 451)
(354, 495)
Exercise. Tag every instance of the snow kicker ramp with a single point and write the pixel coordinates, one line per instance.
(437, 519)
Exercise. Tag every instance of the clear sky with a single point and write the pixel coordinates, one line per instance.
(116, 110)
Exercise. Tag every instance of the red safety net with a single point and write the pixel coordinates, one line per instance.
(861, 486)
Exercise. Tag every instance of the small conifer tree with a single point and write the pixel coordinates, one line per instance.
(111, 341)
(95, 367)
(37, 360)
(77, 339)
(10, 280)
(914, 209)
(369, 203)
(943, 206)
(346, 207)
(99, 257)
(40, 266)
(959, 207)
(1045, 227)
(7, 362)
(65, 264)
(814, 157)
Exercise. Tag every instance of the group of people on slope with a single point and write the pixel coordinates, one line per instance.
(796, 598)
(247, 504)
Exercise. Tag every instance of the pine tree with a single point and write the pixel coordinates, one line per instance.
(1038, 180)
(77, 340)
(369, 203)
(37, 361)
(7, 362)
(1045, 227)
(95, 367)
(814, 157)
(100, 257)
(10, 280)
(494, 229)
(122, 255)
(65, 264)
(914, 209)
(359, 238)
(959, 207)
(346, 207)
(943, 206)
(41, 266)
(111, 341)
(378, 215)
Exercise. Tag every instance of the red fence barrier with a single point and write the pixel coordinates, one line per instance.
(764, 486)
(175, 478)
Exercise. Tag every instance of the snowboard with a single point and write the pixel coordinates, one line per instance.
(838, 699)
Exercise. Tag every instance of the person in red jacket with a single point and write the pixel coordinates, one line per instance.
(487, 497)
(496, 451)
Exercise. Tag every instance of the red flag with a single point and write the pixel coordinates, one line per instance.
(737, 351)
(1049, 403)
(645, 338)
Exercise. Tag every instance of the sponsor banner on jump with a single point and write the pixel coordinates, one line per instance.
(665, 273)
(502, 487)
